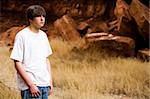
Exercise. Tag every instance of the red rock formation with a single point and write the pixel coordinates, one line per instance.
(144, 54)
(124, 44)
(7, 38)
(140, 13)
(66, 26)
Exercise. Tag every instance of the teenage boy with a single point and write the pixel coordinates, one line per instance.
(30, 54)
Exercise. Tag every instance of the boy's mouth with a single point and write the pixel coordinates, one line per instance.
(42, 22)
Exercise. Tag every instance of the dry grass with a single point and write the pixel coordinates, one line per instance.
(7, 76)
(86, 74)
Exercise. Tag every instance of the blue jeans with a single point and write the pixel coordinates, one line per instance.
(25, 94)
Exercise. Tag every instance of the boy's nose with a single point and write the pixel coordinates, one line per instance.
(42, 18)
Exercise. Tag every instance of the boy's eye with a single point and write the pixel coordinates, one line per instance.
(40, 15)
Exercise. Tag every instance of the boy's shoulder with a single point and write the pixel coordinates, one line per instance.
(43, 33)
(22, 32)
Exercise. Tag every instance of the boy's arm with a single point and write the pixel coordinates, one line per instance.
(49, 69)
(33, 88)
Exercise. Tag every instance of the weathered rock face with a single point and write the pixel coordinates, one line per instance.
(76, 8)
(144, 54)
(141, 16)
(8, 37)
(123, 44)
(66, 27)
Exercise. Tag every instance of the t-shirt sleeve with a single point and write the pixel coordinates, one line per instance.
(17, 52)
(49, 50)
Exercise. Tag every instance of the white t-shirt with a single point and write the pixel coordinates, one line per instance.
(32, 49)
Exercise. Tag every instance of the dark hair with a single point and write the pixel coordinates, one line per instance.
(35, 11)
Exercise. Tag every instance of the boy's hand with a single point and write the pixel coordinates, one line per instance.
(34, 91)
(51, 90)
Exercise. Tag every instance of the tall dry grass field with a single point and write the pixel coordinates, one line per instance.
(8, 89)
(84, 74)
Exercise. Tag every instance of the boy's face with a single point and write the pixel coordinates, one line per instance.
(38, 22)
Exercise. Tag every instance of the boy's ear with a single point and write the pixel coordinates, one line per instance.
(30, 20)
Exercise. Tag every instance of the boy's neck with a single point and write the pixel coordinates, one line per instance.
(34, 29)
